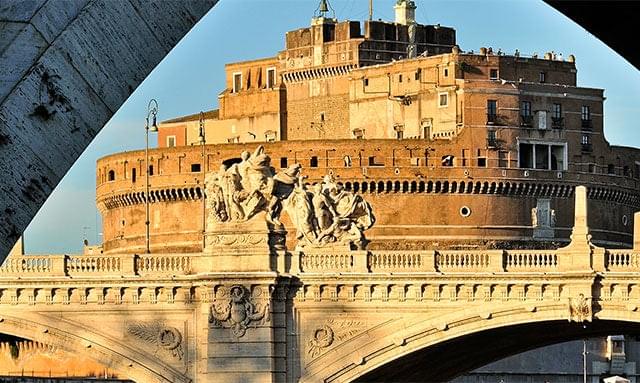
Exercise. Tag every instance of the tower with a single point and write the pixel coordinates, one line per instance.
(405, 12)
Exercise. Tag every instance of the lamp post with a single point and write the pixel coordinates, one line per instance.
(201, 140)
(152, 111)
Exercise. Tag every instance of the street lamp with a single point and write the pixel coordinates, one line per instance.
(152, 111)
(201, 140)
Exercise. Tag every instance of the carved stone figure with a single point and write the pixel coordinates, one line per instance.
(237, 312)
(160, 335)
(330, 215)
(580, 309)
(244, 189)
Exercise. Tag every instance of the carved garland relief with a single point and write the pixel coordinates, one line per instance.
(157, 333)
(333, 330)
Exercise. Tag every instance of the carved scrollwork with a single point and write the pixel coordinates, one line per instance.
(238, 310)
(580, 309)
(157, 333)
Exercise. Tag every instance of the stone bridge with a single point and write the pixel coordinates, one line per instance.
(321, 315)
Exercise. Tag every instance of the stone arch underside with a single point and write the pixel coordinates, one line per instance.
(125, 359)
(71, 68)
(453, 344)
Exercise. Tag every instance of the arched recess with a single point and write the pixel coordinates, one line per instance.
(439, 349)
(127, 361)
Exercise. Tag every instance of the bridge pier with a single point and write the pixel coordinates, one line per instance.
(244, 332)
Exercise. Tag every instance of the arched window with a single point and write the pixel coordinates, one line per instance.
(111, 176)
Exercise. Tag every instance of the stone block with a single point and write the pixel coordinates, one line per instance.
(19, 10)
(21, 46)
(51, 19)
(248, 364)
(111, 45)
(181, 14)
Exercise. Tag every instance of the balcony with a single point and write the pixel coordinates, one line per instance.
(587, 124)
(557, 122)
(526, 120)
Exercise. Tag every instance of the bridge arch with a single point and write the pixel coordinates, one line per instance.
(125, 360)
(459, 342)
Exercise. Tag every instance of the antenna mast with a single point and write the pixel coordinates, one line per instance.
(370, 10)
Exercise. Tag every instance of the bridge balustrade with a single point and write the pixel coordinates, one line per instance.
(531, 260)
(26, 265)
(373, 261)
(401, 261)
(163, 264)
(622, 260)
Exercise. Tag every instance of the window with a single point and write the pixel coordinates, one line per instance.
(543, 77)
(133, 175)
(399, 129)
(358, 134)
(233, 140)
(195, 168)
(491, 138)
(556, 116)
(376, 161)
(586, 143)
(446, 72)
(525, 152)
(447, 160)
(503, 159)
(444, 100)
(419, 71)
(585, 114)
(270, 136)
(150, 170)
(611, 169)
(347, 161)
(171, 141)
(526, 118)
(237, 82)
(482, 159)
(283, 162)
(111, 176)
(321, 116)
(366, 82)
(493, 74)
(399, 78)
(544, 156)
(492, 107)
(313, 163)
(271, 77)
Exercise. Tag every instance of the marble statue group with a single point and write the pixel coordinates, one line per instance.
(323, 213)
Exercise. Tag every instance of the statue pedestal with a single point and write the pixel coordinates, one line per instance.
(244, 246)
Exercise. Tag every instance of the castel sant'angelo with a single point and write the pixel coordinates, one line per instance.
(370, 196)
(451, 148)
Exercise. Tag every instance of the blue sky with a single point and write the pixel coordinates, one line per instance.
(190, 77)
